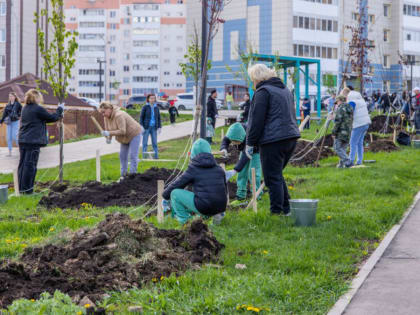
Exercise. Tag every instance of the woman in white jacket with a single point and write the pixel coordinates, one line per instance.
(361, 122)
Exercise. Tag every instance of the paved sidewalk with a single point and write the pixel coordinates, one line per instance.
(86, 149)
(393, 286)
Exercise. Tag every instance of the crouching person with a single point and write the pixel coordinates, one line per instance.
(236, 135)
(342, 131)
(208, 181)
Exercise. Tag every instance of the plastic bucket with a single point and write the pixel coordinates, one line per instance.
(416, 144)
(4, 189)
(304, 211)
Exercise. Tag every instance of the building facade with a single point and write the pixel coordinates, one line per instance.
(19, 51)
(138, 47)
(315, 29)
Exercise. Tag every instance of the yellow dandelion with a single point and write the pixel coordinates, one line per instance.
(52, 229)
(79, 313)
(24, 245)
(86, 218)
(161, 278)
(32, 300)
(154, 279)
(329, 218)
(9, 241)
(265, 252)
(291, 188)
(87, 305)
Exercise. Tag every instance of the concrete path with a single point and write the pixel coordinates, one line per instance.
(393, 286)
(86, 149)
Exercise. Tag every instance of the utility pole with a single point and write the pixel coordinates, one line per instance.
(100, 78)
(204, 81)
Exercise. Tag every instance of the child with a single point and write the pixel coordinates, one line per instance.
(236, 135)
(173, 112)
(209, 130)
(342, 131)
(208, 181)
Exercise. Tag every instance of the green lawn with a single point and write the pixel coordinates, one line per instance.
(290, 270)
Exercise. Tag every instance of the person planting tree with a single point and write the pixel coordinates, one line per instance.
(342, 130)
(236, 135)
(126, 131)
(208, 181)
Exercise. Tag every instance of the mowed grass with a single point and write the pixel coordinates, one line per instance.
(289, 270)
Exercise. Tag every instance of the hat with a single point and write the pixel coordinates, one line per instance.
(416, 89)
(341, 98)
(236, 132)
(200, 146)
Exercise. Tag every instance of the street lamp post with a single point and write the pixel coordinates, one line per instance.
(100, 78)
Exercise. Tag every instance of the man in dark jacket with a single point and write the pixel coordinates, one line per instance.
(272, 126)
(151, 122)
(385, 102)
(416, 108)
(33, 136)
(212, 111)
(246, 106)
(208, 181)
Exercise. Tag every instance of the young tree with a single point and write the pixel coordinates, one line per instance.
(58, 57)
(192, 67)
(247, 58)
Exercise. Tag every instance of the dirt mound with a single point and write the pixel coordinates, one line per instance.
(134, 190)
(306, 154)
(116, 255)
(328, 141)
(233, 157)
(382, 146)
(378, 124)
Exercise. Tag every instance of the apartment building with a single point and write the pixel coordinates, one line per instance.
(315, 29)
(134, 47)
(19, 51)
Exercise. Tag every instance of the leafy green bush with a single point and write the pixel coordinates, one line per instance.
(60, 303)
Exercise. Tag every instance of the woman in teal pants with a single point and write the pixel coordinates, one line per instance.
(208, 181)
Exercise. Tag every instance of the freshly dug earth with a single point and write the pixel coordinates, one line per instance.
(378, 124)
(233, 157)
(133, 190)
(116, 255)
(382, 145)
(306, 154)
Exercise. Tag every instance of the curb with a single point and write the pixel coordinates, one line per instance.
(340, 306)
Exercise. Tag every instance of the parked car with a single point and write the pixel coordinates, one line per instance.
(186, 101)
(162, 104)
(135, 100)
(90, 101)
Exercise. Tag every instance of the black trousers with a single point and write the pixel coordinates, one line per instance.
(29, 156)
(172, 118)
(274, 158)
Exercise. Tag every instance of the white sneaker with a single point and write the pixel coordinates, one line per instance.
(217, 219)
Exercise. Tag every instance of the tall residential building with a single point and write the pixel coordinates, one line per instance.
(137, 45)
(314, 29)
(19, 51)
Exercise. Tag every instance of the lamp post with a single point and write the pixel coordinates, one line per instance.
(204, 81)
(100, 78)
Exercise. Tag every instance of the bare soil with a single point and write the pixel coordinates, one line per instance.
(382, 146)
(118, 254)
(306, 154)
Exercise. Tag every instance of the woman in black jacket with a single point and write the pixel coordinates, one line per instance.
(33, 136)
(11, 116)
(272, 126)
(208, 181)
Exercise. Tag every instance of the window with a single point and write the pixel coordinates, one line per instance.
(126, 21)
(3, 7)
(371, 18)
(2, 61)
(355, 16)
(386, 61)
(315, 51)
(126, 68)
(112, 49)
(126, 79)
(89, 71)
(165, 84)
(146, 67)
(146, 19)
(126, 92)
(179, 85)
(112, 14)
(166, 73)
(386, 10)
(146, 31)
(126, 56)
(411, 10)
(2, 35)
(126, 33)
(145, 43)
(145, 79)
(386, 35)
(112, 61)
(112, 73)
(311, 23)
(91, 48)
(93, 12)
(408, 36)
(91, 36)
(144, 7)
(113, 26)
(92, 24)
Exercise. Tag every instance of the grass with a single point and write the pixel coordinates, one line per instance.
(289, 270)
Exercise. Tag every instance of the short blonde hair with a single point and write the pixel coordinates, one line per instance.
(260, 72)
(106, 105)
(33, 96)
(345, 92)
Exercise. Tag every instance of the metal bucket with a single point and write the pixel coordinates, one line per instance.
(416, 144)
(304, 211)
(4, 189)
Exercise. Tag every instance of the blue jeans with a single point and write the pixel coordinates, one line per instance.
(12, 133)
(131, 149)
(356, 143)
(152, 131)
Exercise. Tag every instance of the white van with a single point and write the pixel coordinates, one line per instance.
(186, 101)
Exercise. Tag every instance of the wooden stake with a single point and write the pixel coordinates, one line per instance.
(371, 138)
(16, 182)
(222, 135)
(254, 190)
(160, 187)
(395, 136)
(302, 125)
(96, 124)
(98, 165)
(258, 193)
(223, 165)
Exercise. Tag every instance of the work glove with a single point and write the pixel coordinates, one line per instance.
(105, 133)
(230, 174)
(108, 140)
(159, 131)
(249, 151)
(166, 205)
(61, 105)
(225, 152)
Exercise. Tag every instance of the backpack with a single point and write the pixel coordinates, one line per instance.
(403, 139)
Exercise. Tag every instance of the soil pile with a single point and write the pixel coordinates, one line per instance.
(382, 146)
(233, 157)
(328, 141)
(378, 124)
(306, 154)
(133, 190)
(116, 255)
